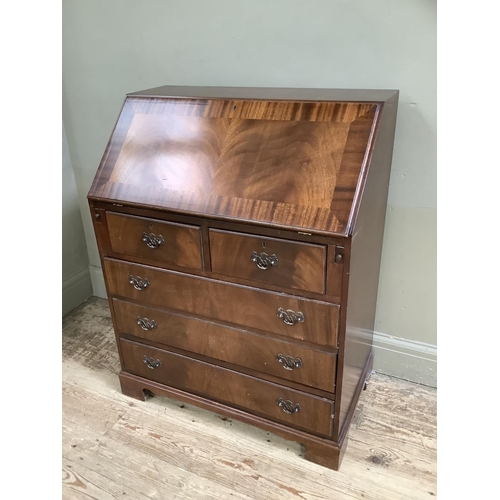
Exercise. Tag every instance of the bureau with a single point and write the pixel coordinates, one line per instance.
(240, 233)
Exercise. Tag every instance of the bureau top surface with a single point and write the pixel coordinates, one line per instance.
(286, 158)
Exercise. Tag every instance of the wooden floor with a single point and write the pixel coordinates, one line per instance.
(117, 447)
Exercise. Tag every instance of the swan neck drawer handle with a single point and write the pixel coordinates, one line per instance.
(146, 324)
(151, 362)
(289, 362)
(264, 261)
(138, 282)
(288, 406)
(290, 317)
(153, 241)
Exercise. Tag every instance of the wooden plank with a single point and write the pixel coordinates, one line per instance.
(99, 459)
(88, 337)
(257, 471)
(88, 410)
(81, 482)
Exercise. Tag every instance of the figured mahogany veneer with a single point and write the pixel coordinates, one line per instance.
(256, 396)
(286, 164)
(266, 355)
(240, 234)
(249, 307)
(286, 263)
(164, 242)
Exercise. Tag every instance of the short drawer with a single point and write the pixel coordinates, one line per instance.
(155, 240)
(269, 260)
(303, 319)
(281, 359)
(253, 395)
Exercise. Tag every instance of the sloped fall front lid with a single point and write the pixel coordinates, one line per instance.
(283, 159)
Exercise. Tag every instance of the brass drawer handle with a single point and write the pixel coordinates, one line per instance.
(146, 324)
(138, 282)
(289, 362)
(288, 406)
(290, 317)
(264, 261)
(151, 362)
(153, 241)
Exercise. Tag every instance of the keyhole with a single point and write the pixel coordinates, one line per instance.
(263, 244)
(151, 226)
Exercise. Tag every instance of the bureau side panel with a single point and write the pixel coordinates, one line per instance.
(363, 267)
(101, 230)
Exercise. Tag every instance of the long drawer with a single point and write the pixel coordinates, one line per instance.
(281, 359)
(303, 319)
(256, 396)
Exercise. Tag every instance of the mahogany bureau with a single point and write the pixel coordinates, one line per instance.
(240, 233)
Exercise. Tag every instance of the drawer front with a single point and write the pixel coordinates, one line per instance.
(269, 260)
(310, 320)
(162, 242)
(281, 359)
(226, 386)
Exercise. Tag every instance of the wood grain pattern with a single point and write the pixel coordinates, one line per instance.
(349, 181)
(250, 109)
(181, 247)
(300, 265)
(114, 144)
(228, 344)
(253, 395)
(289, 162)
(286, 164)
(215, 300)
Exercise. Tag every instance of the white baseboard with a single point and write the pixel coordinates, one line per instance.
(75, 290)
(98, 286)
(406, 359)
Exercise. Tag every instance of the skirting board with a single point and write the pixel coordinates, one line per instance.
(98, 285)
(401, 358)
(75, 290)
(407, 359)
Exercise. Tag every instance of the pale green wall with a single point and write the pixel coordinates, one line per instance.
(112, 47)
(76, 285)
